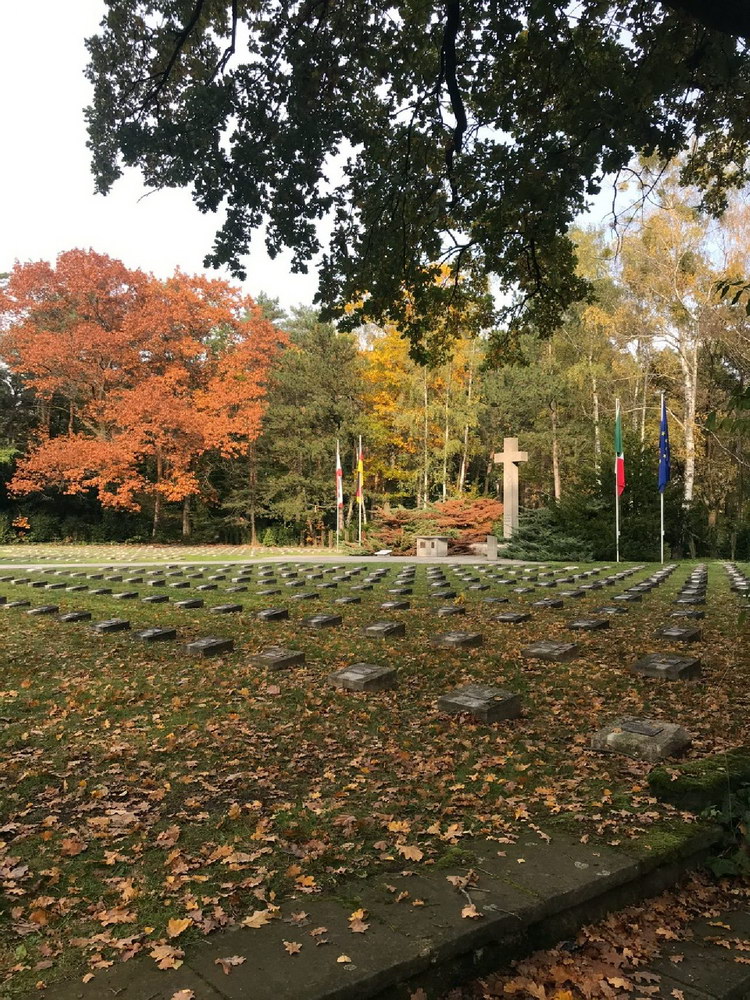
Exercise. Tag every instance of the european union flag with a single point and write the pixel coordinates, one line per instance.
(664, 466)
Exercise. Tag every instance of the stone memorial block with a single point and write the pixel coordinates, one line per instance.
(364, 677)
(627, 598)
(395, 606)
(95, 576)
(112, 625)
(195, 576)
(547, 583)
(495, 600)
(690, 600)
(218, 576)
(548, 649)
(125, 595)
(44, 609)
(225, 609)
(458, 640)
(17, 604)
(194, 602)
(100, 591)
(384, 630)
(54, 586)
(114, 579)
(133, 579)
(688, 613)
(588, 624)
(307, 595)
(479, 586)
(362, 586)
(3, 600)
(523, 590)
(404, 591)
(210, 646)
(237, 589)
(645, 739)
(155, 599)
(572, 593)
(678, 633)
(512, 617)
(444, 595)
(207, 586)
(451, 609)
(322, 621)
(267, 591)
(667, 666)
(76, 616)
(180, 585)
(327, 586)
(548, 602)
(294, 584)
(272, 614)
(278, 658)
(348, 600)
(156, 582)
(156, 634)
(487, 704)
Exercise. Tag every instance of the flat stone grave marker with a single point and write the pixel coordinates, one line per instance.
(451, 609)
(207, 586)
(18, 604)
(278, 658)
(100, 591)
(479, 586)
(437, 583)
(688, 613)
(114, 579)
(364, 677)
(133, 579)
(523, 590)
(155, 599)
(327, 586)
(645, 739)
(444, 595)
(195, 576)
(690, 600)
(678, 633)
(458, 640)
(193, 602)
(547, 583)
(267, 591)
(322, 621)
(399, 590)
(384, 630)
(112, 625)
(548, 602)
(496, 600)
(627, 598)
(363, 586)
(225, 609)
(237, 589)
(294, 584)
(486, 703)
(156, 634)
(3, 600)
(156, 582)
(512, 617)
(125, 595)
(549, 649)
(95, 576)
(54, 586)
(307, 595)
(667, 666)
(348, 600)
(210, 646)
(588, 624)
(38, 583)
(76, 616)
(218, 576)
(610, 609)
(272, 614)
(180, 585)
(572, 593)
(44, 609)
(395, 606)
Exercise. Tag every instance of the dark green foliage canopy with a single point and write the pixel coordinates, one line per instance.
(460, 131)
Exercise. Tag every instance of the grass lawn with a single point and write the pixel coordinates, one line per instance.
(140, 786)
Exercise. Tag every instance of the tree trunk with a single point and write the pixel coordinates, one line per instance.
(555, 453)
(71, 415)
(157, 495)
(597, 432)
(252, 482)
(446, 410)
(186, 526)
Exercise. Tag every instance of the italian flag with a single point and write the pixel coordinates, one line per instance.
(360, 474)
(619, 453)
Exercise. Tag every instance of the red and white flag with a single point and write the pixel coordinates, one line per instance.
(339, 479)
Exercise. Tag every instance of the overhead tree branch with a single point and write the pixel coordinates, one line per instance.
(731, 17)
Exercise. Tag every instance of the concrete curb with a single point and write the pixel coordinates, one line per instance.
(534, 895)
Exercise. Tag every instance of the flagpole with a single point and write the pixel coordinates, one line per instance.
(661, 496)
(338, 479)
(617, 494)
(359, 488)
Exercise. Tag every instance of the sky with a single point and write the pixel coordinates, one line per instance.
(48, 199)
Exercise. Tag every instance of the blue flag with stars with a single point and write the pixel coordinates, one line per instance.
(664, 466)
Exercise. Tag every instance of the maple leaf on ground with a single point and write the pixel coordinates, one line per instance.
(72, 846)
(292, 947)
(358, 926)
(167, 957)
(228, 963)
(410, 852)
(176, 927)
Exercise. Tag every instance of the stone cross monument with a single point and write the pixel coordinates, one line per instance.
(509, 459)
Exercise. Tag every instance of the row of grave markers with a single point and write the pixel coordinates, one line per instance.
(649, 739)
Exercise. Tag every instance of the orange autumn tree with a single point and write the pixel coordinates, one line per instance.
(152, 375)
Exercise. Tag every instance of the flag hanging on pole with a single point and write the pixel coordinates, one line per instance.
(360, 473)
(665, 469)
(619, 453)
(339, 479)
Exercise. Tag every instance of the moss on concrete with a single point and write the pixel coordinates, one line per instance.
(702, 783)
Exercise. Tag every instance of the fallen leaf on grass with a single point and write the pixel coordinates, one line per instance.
(167, 957)
(410, 852)
(257, 919)
(228, 963)
(292, 947)
(176, 927)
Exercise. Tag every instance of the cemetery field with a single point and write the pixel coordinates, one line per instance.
(149, 796)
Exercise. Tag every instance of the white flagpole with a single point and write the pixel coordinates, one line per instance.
(617, 495)
(360, 490)
(661, 492)
(338, 480)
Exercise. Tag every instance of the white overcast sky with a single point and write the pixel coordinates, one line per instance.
(46, 187)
